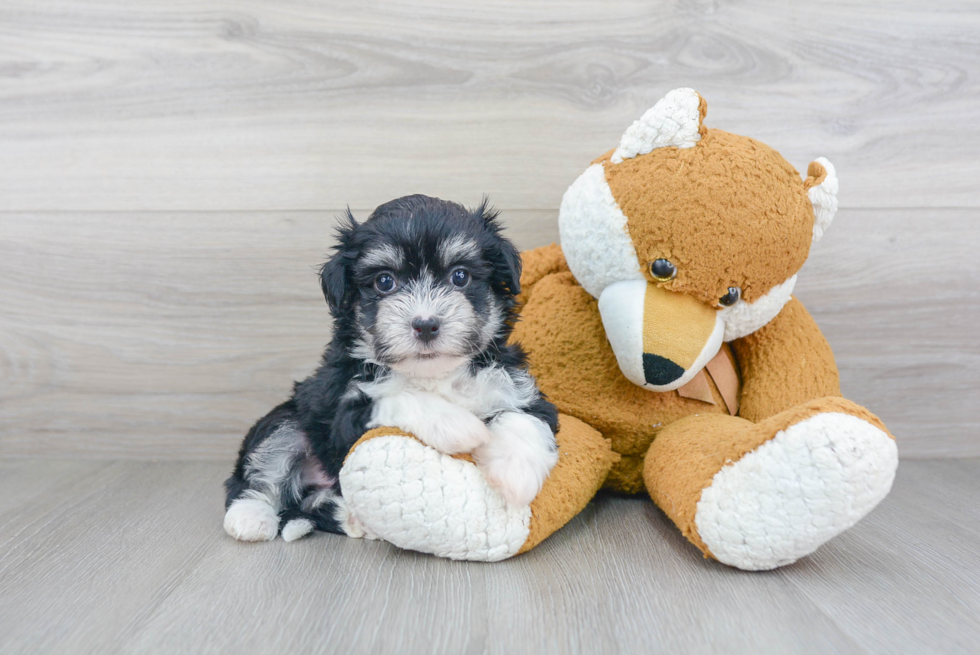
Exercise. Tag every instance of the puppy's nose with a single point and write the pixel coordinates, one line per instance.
(426, 329)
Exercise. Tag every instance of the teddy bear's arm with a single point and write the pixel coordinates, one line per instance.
(405, 492)
(786, 363)
(537, 264)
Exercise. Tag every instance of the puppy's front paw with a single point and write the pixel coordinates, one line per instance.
(515, 478)
(250, 519)
(518, 458)
(436, 422)
(455, 430)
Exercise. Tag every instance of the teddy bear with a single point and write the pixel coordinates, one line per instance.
(665, 331)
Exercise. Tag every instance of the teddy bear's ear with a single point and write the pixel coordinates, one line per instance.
(821, 186)
(676, 120)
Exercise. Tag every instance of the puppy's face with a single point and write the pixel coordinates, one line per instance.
(427, 285)
(425, 304)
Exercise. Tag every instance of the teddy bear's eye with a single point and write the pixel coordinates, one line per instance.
(730, 298)
(662, 270)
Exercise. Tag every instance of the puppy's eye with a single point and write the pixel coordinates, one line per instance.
(662, 270)
(385, 283)
(460, 277)
(730, 298)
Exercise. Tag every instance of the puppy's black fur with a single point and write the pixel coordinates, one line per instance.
(326, 408)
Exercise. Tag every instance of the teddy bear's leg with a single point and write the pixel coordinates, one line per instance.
(759, 496)
(420, 499)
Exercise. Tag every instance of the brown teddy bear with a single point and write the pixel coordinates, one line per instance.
(665, 331)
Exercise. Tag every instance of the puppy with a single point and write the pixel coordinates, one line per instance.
(423, 300)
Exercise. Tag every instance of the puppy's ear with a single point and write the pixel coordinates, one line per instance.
(333, 282)
(501, 253)
(335, 274)
(507, 267)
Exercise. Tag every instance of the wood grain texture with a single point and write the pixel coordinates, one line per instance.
(130, 557)
(171, 333)
(897, 294)
(166, 336)
(299, 105)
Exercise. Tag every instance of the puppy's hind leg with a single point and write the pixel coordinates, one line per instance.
(266, 479)
(322, 510)
(251, 519)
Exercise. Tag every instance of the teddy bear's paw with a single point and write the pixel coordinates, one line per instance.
(251, 519)
(807, 484)
(419, 499)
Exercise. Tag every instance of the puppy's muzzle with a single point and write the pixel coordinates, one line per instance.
(426, 329)
(661, 339)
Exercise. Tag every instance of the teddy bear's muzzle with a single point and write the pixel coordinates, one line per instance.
(661, 339)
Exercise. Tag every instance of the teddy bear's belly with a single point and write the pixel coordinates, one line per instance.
(562, 333)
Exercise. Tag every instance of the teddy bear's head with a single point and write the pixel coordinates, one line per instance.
(689, 237)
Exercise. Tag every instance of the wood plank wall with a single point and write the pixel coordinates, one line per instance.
(170, 172)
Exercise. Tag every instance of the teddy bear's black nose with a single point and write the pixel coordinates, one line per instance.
(659, 370)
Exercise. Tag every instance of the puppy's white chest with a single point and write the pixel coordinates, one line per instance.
(423, 409)
(400, 390)
(457, 389)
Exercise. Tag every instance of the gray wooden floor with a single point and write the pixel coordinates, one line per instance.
(103, 557)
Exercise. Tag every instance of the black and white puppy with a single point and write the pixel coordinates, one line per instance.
(423, 300)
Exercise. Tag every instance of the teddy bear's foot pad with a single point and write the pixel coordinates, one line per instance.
(793, 493)
(419, 499)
